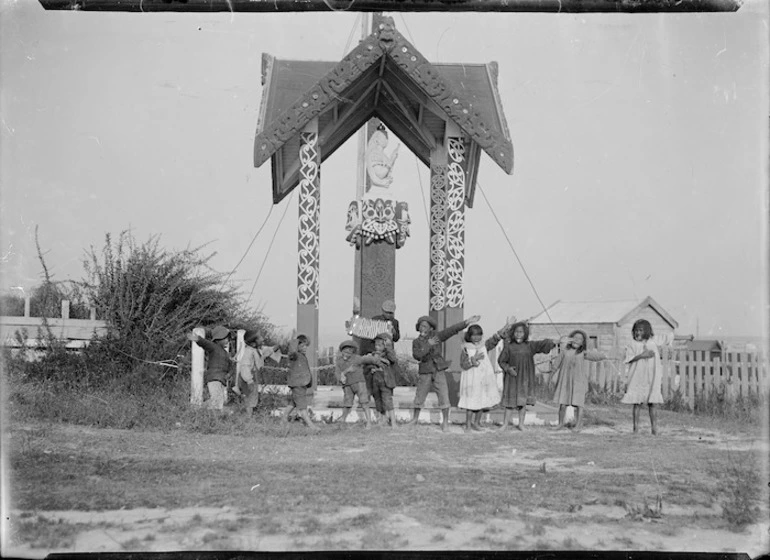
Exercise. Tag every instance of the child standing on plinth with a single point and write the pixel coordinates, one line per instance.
(349, 367)
(299, 380)
(517, 360)
(217, 365)
(572, 371)
(426, 350)
(478, 384)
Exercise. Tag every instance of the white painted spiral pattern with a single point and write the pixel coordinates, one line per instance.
(309, 220)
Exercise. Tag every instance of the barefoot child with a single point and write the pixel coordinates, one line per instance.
(384, 376)
(572, 371)
(217, 365)
(350, 372)
(517, 360)
(250, 364)
(645, 373)
(426, 349)
(478, 385)
(299, 380)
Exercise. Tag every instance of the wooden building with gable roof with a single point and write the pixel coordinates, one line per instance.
(606, 323)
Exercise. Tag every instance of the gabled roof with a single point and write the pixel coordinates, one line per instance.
(383, 77)
(616, 312)
(704, 345)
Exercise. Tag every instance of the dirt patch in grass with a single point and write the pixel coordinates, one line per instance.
(346, 488)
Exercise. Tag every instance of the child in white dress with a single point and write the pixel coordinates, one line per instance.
(478, 383)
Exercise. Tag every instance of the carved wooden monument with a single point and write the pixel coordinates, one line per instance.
(446, 114)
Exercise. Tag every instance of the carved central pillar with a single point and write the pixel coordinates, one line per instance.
(308, 240)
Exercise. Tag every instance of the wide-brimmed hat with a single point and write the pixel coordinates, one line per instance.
(384, 336)
(250, 336)
(428, 319)
(219, 332)
(349, 344)
(389, 306)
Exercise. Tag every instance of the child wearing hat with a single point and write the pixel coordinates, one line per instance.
(249, 370)
(217, 365)
(349, 367)
(426, 350)
(299, 380)
(384, 376)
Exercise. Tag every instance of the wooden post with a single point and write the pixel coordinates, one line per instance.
(454, 249)
(65, 309)
(688, 377)
(27, 305)
(309, 223)
(741, 367)
(240, 346)
(197, 368)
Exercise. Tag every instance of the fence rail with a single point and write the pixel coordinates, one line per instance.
(734, 374)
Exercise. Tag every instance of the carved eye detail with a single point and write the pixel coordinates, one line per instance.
(304, 104)
(315, 96)
(414, 58)
(403, 49)
(455, 101)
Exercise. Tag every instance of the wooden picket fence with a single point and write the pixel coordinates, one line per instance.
(734, 374)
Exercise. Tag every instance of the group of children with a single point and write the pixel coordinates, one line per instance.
(374, 374)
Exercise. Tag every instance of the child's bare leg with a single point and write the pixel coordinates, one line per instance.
(468, 415)
(562, 414)
(288, 410)
(444, 419)
(306, 418)
(345, 412)
(392, 418)
(367, 415)
(653, 423)
(636, 418)
(522, 416)
(476, 424)
(578, 420)
(415, 416)
(506, 419)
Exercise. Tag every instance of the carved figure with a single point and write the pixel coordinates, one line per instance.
(379, 165)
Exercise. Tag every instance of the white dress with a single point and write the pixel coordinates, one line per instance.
(478, 385)
(645, 376)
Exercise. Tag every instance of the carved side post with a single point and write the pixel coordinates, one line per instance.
(196, 370)
(455, 250)
(308, 241)
(437, 263)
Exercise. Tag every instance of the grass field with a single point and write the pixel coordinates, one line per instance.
(262, 486)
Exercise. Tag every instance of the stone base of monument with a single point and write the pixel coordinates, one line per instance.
(327, 403)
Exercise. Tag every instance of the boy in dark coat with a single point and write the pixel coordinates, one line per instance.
(350, 372)
(299, 380)
(217, 365)
(384, 376)
(426, 349)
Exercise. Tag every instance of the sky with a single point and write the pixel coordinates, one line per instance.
(640, 149)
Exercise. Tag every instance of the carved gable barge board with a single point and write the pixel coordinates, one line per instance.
(459, 93)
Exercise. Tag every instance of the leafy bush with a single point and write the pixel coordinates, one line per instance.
(152, 297)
